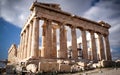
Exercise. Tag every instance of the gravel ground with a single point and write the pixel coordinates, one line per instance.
(105, 71)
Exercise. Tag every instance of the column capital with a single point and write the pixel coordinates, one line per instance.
(36, 17)
(99, 33)
(105, 35)
(82, 29)
(31, 22)
(45, 20)
(73, 27)
(21, 34)
(62, 26)
(55, 26)
(61, 23)
(91, 31)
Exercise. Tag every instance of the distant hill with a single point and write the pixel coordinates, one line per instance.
(9, 34)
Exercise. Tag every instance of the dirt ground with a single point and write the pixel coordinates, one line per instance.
(103, 71)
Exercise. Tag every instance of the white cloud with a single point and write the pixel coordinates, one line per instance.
(108, 11)
(22, 17)
(17, 11)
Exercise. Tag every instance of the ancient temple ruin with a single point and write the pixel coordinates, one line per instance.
(54, 18)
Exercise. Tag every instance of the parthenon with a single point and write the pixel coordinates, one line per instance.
(56, 19)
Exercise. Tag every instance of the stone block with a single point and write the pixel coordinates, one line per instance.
(54, 66)
(43, 66)
(105, 63)
(48, 66)
(64, 68)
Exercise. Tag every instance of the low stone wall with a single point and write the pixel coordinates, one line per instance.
(53, 66)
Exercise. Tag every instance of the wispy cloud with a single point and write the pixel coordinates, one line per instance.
(108, 11)
(17, 11)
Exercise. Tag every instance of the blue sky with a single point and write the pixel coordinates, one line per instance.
(17, 11)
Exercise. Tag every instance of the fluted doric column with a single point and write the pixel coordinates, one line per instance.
(84, 43)
(26, 42)
(93, 46)
(20, 49)
(74, 43)
(48, 39)
(30, 39)
(43, 50)
(63, 42)
(35, 37)
(101, 47)
(54, 42)
(27, 49)
(21, 54)
(107, 45)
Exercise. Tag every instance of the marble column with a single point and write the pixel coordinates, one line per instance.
(21, 54)
(35, 37)
(101, 47)
(84, 44)
(48, 39)
(20, 49)
(43, 50)
(63, 42)
(26, 42)
(29, 39)
(74, 43)
(93, 46)
(107, 45)
(54, 43)
(24, 45)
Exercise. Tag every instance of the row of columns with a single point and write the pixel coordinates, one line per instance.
(29, 43)
(103, 54)
(49, 52)
(103, 47)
